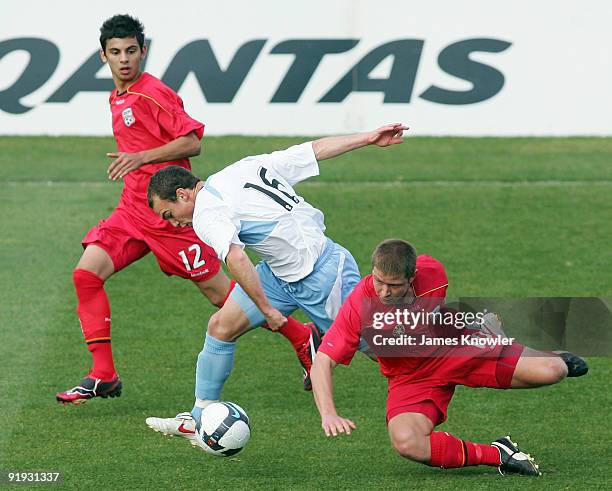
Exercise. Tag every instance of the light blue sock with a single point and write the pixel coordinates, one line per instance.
(214, 365)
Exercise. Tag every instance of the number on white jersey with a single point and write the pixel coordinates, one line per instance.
(272, 190)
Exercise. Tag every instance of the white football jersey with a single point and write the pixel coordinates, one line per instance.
(252, 203)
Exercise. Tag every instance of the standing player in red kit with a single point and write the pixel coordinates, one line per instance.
(421, 384)
(152, 130)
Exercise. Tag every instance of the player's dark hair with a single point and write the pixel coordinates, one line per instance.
(166, 181)
(122, 26)
(395, 257)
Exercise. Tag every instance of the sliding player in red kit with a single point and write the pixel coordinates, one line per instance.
(422, 379)
(152, 130)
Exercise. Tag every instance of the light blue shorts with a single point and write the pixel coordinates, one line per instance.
(319, 295)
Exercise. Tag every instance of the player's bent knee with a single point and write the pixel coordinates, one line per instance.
(219, 329)
(550, 370)
(536, 371)
(97, 261)
(408, 443)
(86, 279)
(556, 370)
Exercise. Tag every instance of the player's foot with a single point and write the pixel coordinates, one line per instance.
(89, 388)
(513, 461)
(308, 351)
(182, 424)
(576, 366)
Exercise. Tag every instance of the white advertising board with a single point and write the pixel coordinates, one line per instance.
(443, 67)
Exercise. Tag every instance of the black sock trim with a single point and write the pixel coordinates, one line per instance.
(465, 453)
(98, 341)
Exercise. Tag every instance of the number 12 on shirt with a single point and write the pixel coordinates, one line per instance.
(197, 261)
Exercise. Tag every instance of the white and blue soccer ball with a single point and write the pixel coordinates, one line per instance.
(224, 429)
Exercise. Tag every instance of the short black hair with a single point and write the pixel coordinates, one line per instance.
(122, 26)
(395, 257)
(166, 181)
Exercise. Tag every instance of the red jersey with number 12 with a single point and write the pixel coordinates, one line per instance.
(147, 115)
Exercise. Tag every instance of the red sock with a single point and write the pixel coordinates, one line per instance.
(296, 332)
(449, 452)
(94, 314)
(479, 454)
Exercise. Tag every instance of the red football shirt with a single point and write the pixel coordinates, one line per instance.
(147, 115)
(342, 340)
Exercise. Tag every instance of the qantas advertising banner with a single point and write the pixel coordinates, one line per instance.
(444, 67)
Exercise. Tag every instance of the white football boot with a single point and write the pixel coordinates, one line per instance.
(182, 425)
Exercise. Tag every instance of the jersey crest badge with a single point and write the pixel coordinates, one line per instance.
(128, 116)
(399, 330)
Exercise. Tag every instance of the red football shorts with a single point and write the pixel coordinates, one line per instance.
(179, 251)
(430, 389)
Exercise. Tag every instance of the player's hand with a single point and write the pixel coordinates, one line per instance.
(275, 320)
(123, 164)
(390, 134)
(333, 425)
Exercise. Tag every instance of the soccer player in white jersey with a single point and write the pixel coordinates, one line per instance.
(252, 203)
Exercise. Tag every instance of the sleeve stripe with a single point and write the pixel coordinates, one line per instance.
(150, 98)
(432, 290)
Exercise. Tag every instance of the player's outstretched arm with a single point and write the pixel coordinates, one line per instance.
(322, 385)
(331, 146)
(181, 148)
(244, 273)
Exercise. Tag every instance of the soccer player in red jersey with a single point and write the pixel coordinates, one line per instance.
(421, 385)
(152, 130)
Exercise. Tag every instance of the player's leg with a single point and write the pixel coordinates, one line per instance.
(92, 270)
(503, 367)
(537, 368)
(93, 308)
(215, 362)
(180, 252)
(238, 314)
(216, 288)
(305, 338)
(409, 435)
(412, 436)
(109, 247)
(449, 452)
(411, 431)
(213, 367)
(96, 260)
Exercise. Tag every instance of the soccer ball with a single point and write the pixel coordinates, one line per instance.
(224, 429)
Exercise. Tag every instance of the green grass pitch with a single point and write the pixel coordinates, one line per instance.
(508, 218)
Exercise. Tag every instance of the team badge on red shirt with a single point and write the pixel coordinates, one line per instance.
(399, 330)
(128, 116)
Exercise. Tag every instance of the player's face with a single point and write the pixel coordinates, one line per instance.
(123, 56)
(179, 213)
(391, 289)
